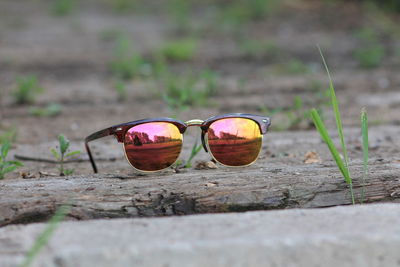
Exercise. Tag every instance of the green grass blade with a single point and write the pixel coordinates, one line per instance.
(73, 153)
(335, 105)
(9, 169)
(319, 124)
(64, 143)
(4, 149)
(55, 154)
(44, 237)
(16, 163)
(365, 146)
(195, 150)
(328, 140)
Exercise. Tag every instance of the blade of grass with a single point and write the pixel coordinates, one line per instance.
(335, 105)
(44, 237)
(195, 150)
(365, 146)
(319, 124)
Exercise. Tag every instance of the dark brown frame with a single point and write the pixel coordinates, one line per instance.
(120, 130)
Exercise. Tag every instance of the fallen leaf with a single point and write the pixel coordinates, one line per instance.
(27, 175)
(211, 184)
(203, 165)
(395, 194)
(90, 188)
(311, 157)
(44, 174)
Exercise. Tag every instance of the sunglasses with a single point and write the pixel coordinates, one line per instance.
(155, 144)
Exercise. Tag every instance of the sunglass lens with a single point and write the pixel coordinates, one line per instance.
(234, 141)
(153, 146)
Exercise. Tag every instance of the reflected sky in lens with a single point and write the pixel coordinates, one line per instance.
(154, 130)
(234, 128)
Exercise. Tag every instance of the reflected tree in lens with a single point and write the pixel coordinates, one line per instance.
(234, 141)
(153, 146)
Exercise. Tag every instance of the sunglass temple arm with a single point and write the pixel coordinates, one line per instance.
(94, 136)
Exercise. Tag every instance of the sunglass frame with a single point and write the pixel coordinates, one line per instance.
(120, 130)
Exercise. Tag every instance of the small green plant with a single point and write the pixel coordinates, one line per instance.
(259, 48)
(179, 50)
(365, 146)
(293, 67)
(179, 12)
(380, 19)
(5, 165)
(297, 67)
(110, 34)
(124, 6)
(45, 236)
(297, 116)
(243, 11)
(210, 82)
(180, 92)
(50, 110)
(270, 111)
(183, 91)
(387, 5)
(62, 7)
(159, 67)
(294, 115)
(127, 64)
(121, 90)
(26, 90)
(195, 150)
(62, 155)
(370, 57)
(258, 9)
(370, 53)
(8, 135)
(343, 165)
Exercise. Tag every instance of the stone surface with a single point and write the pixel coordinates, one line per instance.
(366, 235)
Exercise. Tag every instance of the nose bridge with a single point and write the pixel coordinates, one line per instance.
(194, 123)
(198, 123)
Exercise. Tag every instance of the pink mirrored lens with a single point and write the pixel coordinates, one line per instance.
(234, 141)
(153, 146)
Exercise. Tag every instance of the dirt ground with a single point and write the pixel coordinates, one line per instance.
(70, 55)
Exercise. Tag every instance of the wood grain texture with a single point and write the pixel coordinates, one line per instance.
(194, 191)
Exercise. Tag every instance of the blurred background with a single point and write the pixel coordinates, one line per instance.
(73, 67)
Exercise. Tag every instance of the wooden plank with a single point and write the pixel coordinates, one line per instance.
(205, 191)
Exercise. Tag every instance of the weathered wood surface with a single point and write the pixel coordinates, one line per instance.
(205, 191)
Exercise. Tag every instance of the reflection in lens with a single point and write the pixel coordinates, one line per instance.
(153, 146)
(234, 141)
